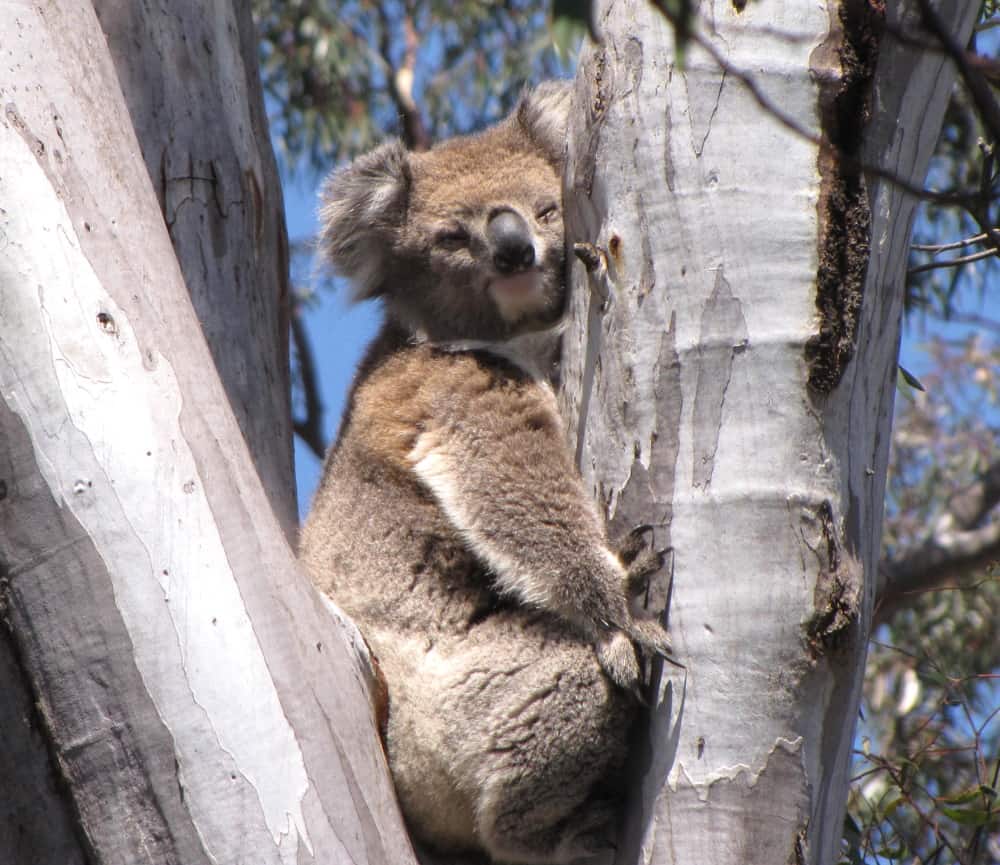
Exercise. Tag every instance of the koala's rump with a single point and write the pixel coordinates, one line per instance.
(515, 711)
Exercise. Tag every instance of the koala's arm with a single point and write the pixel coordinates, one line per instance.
(496, 461)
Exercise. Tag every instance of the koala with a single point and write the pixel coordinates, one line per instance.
(450, 522)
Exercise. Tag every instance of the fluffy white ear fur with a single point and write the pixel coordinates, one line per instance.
(543, 114)
(360, 205)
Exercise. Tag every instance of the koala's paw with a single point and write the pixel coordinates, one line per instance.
(650, 636)
(641, 561)
(590, 835)
(616, 655)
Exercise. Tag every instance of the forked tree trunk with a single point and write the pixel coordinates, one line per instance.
(173, 689)
(736, 391)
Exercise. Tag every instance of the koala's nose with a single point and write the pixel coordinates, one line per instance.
(510, 240)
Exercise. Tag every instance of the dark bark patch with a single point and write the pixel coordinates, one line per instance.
(647, 276)
(669, 171)
(800, 850)
(844, 211)
(836, 596)
(597, 109)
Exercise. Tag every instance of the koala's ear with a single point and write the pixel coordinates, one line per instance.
(543, 114)
(362, 206)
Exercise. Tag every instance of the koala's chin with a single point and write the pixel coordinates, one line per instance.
(520, 297)
(451, 523)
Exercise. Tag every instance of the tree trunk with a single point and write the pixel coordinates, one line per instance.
(193, 92)
(175, 691)
(735, 389)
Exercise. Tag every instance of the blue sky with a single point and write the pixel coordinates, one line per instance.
(339, 332)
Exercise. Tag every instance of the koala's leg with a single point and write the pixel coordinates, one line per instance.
(557, 745)
(510, 740)
(527, 831)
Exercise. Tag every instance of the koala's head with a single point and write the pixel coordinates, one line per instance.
(464, 241)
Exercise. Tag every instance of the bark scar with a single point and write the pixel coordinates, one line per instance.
(723, 335)
(836, 598)
(844, 67)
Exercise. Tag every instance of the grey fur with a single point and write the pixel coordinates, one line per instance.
(451, 523)
(365, 212)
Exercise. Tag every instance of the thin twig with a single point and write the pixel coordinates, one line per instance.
(944, 247)
(979, 321)
(953, 262)
(979, 834)
(399, 81)
(935, 830)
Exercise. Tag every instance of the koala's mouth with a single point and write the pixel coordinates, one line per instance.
(519, 295)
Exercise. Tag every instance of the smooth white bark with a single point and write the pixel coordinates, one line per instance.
(690, 399)
(194, 699)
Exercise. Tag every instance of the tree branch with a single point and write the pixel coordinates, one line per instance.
(967, 199)
(958, 261)
(979, 89)
(400, 79)
(309, 428)
(964, 542)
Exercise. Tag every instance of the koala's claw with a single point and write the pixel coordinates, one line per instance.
(641, 561)
(632, 543)
(651, 636)
(643, 566)
(616, 655)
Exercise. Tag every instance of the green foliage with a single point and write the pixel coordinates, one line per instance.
(925, 777)
(571, 21)
(342, 74)
(945, 437)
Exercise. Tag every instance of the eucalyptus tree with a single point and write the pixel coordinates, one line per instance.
(176, 690)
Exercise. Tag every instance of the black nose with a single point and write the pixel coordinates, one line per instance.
(510, 240)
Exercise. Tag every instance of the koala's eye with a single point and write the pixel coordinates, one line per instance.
(452, 237)
(546, 211)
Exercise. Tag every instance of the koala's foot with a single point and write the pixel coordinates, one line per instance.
(641, 561)
(588, 833)
(650, 636)
(616, 655)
